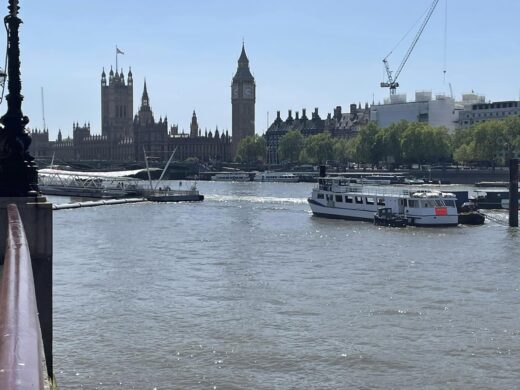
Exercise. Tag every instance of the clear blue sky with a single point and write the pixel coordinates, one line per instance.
(302, 53)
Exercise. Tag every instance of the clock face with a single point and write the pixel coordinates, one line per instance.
(248, 91)
(235, 91)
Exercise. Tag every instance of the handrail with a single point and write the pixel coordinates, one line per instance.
(21, 353)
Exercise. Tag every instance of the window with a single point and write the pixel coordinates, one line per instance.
(413, 203)
(369, 200)
(380, 201)
(449, 203)
(339, 198)
(359, 199)
(320, 196)
(349, 199)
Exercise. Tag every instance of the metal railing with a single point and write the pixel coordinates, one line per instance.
(22, 362)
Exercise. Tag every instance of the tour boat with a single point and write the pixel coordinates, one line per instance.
(347, 199)
(281, 177)
(231, 176)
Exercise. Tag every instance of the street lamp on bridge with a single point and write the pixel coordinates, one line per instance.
(18, 174)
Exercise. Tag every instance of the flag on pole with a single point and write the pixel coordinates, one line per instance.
(119, 51)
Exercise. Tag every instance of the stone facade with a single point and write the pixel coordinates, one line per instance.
(125, 138)
(339, 125)
(243, 98)
(117, 102)
(481, 111)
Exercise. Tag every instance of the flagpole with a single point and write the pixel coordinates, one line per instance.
(117, 52)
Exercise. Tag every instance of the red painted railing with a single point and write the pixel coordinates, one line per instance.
(21, 354)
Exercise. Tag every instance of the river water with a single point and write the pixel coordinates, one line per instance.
(247, 290)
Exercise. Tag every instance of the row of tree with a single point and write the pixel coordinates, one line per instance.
(492, 142)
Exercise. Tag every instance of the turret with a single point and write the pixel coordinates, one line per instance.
(130, 77)
(194, 126)
(103, 78)
(145, 101)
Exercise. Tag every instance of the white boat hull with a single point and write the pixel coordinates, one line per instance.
(367, 214)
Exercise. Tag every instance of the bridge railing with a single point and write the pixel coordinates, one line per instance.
(22, 361)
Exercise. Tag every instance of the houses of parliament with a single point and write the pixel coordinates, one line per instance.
(126, 137)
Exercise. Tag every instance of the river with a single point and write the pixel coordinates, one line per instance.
(247, 290)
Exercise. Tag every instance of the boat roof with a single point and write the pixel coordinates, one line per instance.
(120, 175)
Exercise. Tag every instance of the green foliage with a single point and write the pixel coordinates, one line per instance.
(317, 149)
(493, 141)
(251, 149)
(367, 149)
(465, 153)
(388, 141)
(290, 146)
(422, 143)
(343, 150)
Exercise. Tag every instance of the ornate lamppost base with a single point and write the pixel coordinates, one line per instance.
(18, 178)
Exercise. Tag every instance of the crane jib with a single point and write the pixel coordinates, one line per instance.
(392, 80)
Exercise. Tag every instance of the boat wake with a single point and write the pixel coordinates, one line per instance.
(256, 199)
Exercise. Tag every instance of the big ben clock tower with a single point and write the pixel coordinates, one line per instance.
(243, 96)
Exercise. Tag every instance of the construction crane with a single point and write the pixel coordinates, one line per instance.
(392, 79)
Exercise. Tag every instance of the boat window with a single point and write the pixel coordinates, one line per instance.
(349, 199)
(339, 198)
(380, 201)
(359, 199)
(427, 204)
(320, 196)
(413, 203)
(449, 203)
(369, 200)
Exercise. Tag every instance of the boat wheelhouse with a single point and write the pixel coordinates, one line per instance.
(346, 199)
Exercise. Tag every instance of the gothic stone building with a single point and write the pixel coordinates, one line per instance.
(125, 137)
(339, 125)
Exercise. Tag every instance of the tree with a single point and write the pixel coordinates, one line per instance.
(412, 143)
(251, 149)
(511, 136)
(465, 153)
(343, 150)
(436, 145)
(367, 149)
(488, 138)
(290, 146)
(388, 140)
(317, 149)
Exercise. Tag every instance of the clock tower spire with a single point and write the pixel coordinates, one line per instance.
(243, 97)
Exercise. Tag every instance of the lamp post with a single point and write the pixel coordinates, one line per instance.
(18, 174)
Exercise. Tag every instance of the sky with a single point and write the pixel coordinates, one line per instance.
(303, 54)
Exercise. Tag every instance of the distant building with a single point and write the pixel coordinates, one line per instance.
(149, 136)
(441, 111)
(339, 125)
(243, 97)
(477, 110)
(117, 105)
(125, 137)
